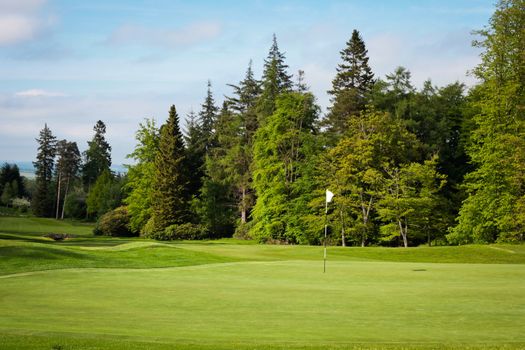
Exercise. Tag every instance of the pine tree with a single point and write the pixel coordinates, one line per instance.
(171, 177)
(237, 139)
(42, 202)
(350, 87)
(67, 167)
(195, 153)
(97, 157)
(275, 81)
(208, 118)
(244, 103)
(216, 203)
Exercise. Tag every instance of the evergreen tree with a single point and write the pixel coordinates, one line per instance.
(244, 102)
(42, 202)
(67, 167)
(236, 138)
(494, 209)
(171, 178)
(97, 158)
(8, 174)
(350, 87)
(195, 153)
(208, 118)
(141, 175)
(275, 81)
(216, 203)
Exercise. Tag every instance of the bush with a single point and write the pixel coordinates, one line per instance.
(21, 204)
(183, 231)
(243, 230)
(114, 223)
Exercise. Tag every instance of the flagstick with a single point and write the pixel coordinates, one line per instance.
(325, 229)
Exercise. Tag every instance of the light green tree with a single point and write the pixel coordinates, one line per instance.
(496, 188)
(141, 175)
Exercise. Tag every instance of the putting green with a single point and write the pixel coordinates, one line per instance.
(271, 304)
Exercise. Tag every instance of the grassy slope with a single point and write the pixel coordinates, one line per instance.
(260, 297)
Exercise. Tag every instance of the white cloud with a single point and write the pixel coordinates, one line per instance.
(184, 36)
(21, 21)
(39, 93)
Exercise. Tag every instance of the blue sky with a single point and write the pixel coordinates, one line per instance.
(70, 63)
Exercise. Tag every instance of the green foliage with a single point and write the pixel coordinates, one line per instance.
(67, 167)
(22, 205)
(114, 223)
(496, 188)
(283, 151)
(183, 231)
(9, 193)
(75, 204)
(42, 201)
(8, 174)
(170, 192)
(141, 175)
(275, 80)
(350, 87)
(409, 198)
(105, 195)
(97, 158)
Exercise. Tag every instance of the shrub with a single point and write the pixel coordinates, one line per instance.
(242, 231)
(114, 223)
(21, 204)
(183, 231)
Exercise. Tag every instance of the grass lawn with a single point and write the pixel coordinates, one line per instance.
(99, 293)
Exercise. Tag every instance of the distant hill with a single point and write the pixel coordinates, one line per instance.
(28, 170)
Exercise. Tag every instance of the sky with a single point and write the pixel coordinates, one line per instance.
(70, 63)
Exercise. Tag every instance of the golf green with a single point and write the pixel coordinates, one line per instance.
(272, 304)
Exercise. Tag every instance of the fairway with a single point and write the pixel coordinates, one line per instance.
(139, 294)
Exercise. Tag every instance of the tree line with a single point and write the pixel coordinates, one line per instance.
(436, 165)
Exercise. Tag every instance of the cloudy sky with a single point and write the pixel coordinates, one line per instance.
(70, 63)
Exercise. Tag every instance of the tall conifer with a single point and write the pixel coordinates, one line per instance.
(45, 160)
(170, 185)
(351, 85)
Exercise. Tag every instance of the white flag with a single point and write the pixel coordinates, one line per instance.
(329, 196)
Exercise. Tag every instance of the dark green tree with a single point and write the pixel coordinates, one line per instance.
(236, 138)
(67, 167)
(207, 120)
(351, 86)
(42, 202)
(275, 80)
(97, 158)
(10, 173)
(195, 153)
(170, 190)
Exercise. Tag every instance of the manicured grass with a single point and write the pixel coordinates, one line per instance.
(110, 293)
(40, 226)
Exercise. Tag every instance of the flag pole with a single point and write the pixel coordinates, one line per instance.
(325, 230)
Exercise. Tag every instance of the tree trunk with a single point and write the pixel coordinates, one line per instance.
(343, 243)
(65, 195)
(403, 231)
(58, 194)
(243, 206)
